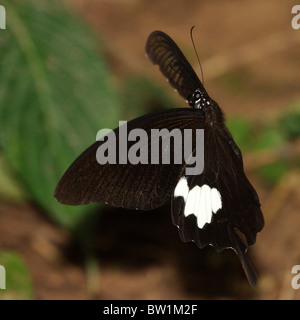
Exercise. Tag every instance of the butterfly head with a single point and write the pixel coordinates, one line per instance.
(200, 100)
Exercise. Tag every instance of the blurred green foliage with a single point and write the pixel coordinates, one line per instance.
(18, 281)
(141, 95)
(290, 122)
(268, 136)
(241, 130)
(272, 172)
(10, 187)
(56, 93)
(235, 82)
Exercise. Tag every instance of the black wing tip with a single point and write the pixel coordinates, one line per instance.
(157, 33)
(66, 198)
(153, 34)
(62, 198)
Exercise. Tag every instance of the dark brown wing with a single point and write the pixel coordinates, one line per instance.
(162, 50)
(238, 220)
(140, 186)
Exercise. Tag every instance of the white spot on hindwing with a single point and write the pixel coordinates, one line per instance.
(202, 202)
(182, 189)
(216, 202)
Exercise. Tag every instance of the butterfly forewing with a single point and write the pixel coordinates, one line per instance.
(162, 50)
(142, 186)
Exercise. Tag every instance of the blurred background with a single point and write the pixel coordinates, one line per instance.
(71, 68)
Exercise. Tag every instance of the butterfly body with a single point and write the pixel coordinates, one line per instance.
(217, 206)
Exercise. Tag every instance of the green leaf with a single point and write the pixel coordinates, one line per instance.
(56, 93)
(141, 95)
(241, 130)
(233, 81)
(271, 173)
(18, 284)
(290, 122)
(9, 187)
(270, 137)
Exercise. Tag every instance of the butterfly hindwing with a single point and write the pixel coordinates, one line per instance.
(219, 207)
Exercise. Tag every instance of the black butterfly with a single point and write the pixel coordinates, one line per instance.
(218, 207)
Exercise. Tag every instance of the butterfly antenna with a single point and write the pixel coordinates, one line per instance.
(191, 33)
